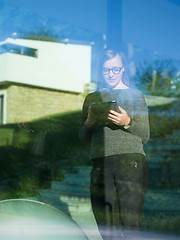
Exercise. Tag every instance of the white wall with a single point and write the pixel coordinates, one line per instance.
(60, 66)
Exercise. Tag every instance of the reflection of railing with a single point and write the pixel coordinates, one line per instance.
(17, 49)
(160, 174)
(162, 203)
(163, 159)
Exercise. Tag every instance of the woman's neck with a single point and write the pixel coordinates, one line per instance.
(121, 86)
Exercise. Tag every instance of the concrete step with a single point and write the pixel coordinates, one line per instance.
(75, 179)
(162, 201)
(50, 193)
(83, 171)
(83, 208)
(158, 159)
(162, 147)
(70, 190)
(65, 202)
(70, 184)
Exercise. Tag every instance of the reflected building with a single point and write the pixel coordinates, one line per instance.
(38, 78)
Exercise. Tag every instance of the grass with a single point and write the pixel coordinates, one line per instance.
(28, 162)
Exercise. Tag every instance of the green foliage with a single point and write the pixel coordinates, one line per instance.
(156, 78)
(28, 186)
(23, 169)
(42, 35)
(62, 134)
(164, 119)
(175, 85)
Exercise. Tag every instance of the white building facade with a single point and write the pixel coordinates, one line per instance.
(52, 66)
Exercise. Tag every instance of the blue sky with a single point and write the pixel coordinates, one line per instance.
(90, 14)
(153, 24)
(150, 24)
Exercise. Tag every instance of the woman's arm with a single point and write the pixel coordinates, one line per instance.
(88, 121)
(140, 120)
(138, 123)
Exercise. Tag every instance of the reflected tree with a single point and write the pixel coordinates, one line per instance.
(158, 78)
(41, 35)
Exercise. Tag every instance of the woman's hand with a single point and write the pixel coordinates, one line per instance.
(90, 121)
(121, 119)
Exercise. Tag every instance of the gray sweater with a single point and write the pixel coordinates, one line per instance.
(112, 139)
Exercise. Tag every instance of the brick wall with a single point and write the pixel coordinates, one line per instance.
(25, 103)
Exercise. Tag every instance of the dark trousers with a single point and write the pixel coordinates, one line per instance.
(118, 186)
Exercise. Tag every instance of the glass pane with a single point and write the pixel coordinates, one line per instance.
(116, 181)
(154, 69)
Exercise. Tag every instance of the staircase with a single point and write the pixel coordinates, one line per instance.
(71, 194)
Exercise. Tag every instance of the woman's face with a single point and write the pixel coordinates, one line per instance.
(112, 71)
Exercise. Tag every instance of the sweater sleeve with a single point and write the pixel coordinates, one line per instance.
(140, 119)
(85, 131)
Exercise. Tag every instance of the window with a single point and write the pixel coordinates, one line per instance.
(1, 108)
(3, 96)
(17, 49)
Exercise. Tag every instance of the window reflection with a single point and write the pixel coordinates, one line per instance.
(1, 108)
(40, 153)
(17, 49)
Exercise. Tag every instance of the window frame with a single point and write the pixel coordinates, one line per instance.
(3, 93)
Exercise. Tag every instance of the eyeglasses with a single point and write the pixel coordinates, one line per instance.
(115, 70)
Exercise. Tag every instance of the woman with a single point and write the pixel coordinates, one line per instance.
(120, 172)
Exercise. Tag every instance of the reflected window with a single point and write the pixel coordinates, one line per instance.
(1, 108)
(18, 49)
